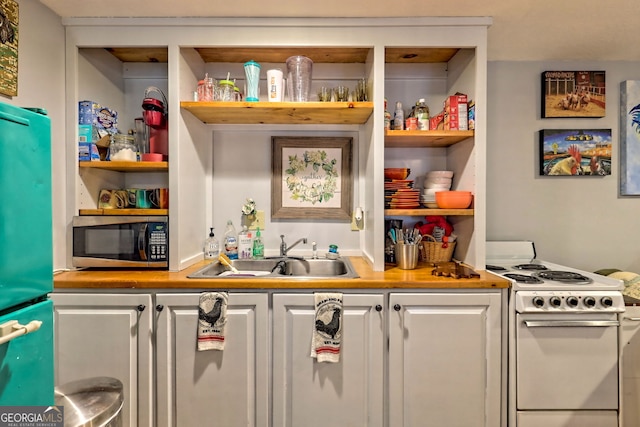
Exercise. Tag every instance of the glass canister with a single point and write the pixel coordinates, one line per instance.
(225, 90)
(299, 72)
(123, 148)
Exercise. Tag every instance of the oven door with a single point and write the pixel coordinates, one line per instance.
(567, 361)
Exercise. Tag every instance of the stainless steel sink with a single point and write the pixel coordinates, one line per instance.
(281, 268)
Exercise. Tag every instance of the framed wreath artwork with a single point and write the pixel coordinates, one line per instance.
(311, 177)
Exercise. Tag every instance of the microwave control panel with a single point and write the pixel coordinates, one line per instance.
(158, 241)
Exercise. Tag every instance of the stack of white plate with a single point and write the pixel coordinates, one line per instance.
(435, 181)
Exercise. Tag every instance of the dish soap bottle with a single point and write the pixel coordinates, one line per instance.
(245, 243)
(212, 247)
(258, 246)
(231, 241)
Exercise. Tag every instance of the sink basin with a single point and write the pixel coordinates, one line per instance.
(281, 268)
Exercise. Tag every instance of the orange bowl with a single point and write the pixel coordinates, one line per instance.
(396, 173)
(453, 199)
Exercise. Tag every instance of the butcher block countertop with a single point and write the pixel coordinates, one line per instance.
(392, 277)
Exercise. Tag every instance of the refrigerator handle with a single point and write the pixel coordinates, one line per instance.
(12, 329)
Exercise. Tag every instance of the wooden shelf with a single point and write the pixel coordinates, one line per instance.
(280, 112)
(424, 212)
(135, 212)
(121, 166)
(425, 138)
(279, 54)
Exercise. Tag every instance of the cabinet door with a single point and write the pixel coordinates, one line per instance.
(107, 335)
(630, 342)
(225, 388)
(444, 359)
(308, 393)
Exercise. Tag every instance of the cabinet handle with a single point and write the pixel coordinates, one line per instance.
(378, 307)
(159, 307)
(397, 307)
(141, 307)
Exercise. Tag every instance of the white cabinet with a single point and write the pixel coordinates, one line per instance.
(630, 347)
(445, 359)
(308, 393)
(107, 335)
(407, 359)
(227, 388)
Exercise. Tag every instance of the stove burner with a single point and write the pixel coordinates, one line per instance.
(530, 267)
(568, 277)
(495, 268)
(523, 278)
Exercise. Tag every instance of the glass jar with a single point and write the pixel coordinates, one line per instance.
(123, 148)
(225, 90)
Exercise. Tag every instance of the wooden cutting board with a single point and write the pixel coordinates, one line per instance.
(455, 270)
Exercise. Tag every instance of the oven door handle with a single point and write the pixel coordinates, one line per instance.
(570, 323)
(633, 319)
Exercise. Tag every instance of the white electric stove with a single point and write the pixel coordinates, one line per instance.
(563, 340)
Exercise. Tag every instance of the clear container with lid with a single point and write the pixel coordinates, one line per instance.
(226, 90)
(123, 148)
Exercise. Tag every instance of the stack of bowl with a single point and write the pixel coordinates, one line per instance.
(435, 181)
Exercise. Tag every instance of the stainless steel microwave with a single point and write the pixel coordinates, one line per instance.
(121, 241)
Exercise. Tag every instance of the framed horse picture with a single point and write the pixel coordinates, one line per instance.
(8, 47)
(573, 94)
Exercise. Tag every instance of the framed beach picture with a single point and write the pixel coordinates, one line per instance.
(573, 94)
(569, 152)
(8, 47)
(311, 177)
(630, 138)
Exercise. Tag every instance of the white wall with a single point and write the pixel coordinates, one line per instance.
(577, 221)
(41, 84)
(580, 222)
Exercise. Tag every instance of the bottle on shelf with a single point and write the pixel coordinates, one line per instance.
(211, 247)
(231, 241)
(398, 118)
(387, 116)
(258, 246)
(422, 114)
(245, 243)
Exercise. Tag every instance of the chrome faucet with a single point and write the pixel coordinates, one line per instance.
(284, 249)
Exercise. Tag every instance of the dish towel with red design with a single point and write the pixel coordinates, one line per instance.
(212, 319)
(327, 328)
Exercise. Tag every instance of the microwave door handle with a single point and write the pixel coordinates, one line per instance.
(570, 323)
(142, 242)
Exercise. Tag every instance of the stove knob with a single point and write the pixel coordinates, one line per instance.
(572, 302)
(606, 301)
(590, 302)
(538, 302)
(555, 301)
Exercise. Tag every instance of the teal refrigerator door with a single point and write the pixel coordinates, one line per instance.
(26, 362)
(26, 264)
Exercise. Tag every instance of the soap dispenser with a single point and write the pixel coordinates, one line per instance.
(211, 247)
(258, 246)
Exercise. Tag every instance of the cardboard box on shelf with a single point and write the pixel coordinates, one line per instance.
(102, 118)
(456, 113)
(88, 152)
(437, 122)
